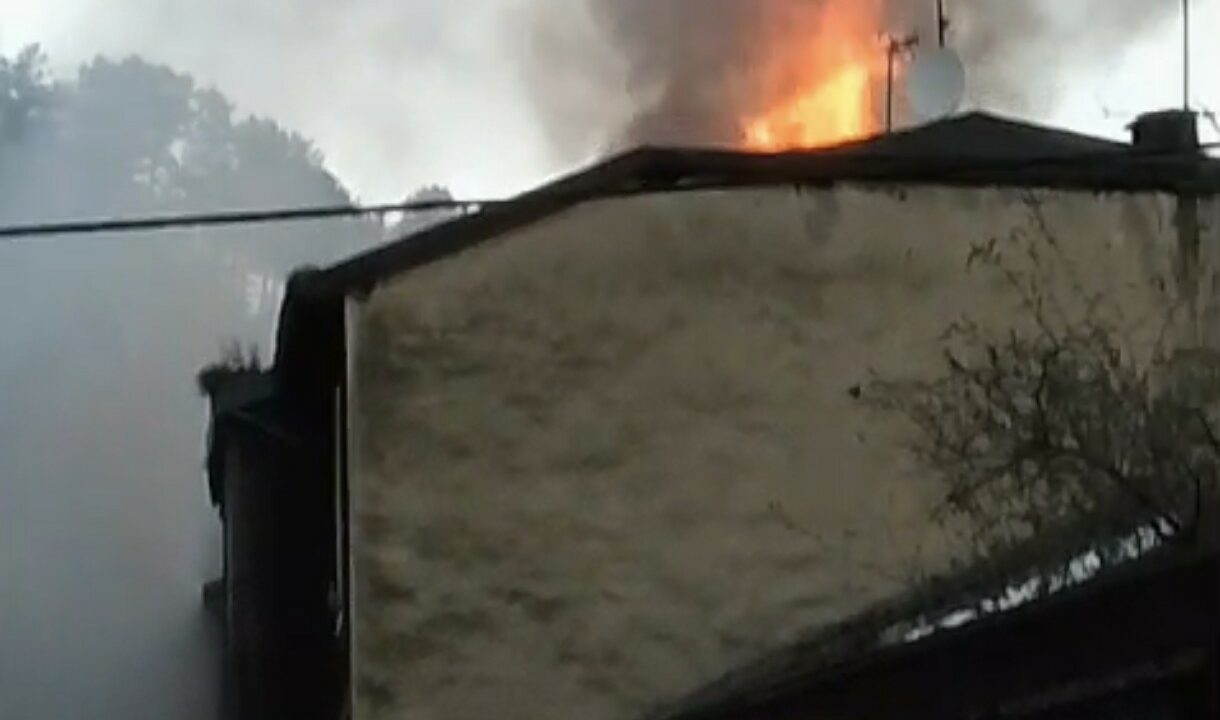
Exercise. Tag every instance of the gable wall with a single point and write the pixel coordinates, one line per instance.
(605, 458)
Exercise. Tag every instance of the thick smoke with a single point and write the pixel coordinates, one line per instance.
(106, 536)
(682, 71)
(398, 92)
(1023, 57)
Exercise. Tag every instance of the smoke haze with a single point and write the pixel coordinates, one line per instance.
(106, 535)
(399, 93)
(684, 71)
(105, 529)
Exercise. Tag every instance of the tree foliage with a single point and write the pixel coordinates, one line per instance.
(100, 427)
(415, 222)
(128, 138)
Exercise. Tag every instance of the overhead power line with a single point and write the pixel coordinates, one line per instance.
(247, 217)
(236, 217)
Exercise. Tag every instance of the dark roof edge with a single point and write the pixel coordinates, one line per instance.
(359, 274)
(1000, 120)
(789, 669)
(1075, 161)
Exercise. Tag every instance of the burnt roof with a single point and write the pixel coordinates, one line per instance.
(974, 149)
(982, 136)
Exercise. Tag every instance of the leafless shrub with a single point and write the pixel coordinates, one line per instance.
(1053, 429)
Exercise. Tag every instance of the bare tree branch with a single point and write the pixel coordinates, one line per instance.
(1053, 422)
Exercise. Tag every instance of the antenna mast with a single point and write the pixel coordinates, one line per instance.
(893, 48)
(1186, 54)
(942, 22)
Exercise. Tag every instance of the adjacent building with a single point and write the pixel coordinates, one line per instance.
(583, 452)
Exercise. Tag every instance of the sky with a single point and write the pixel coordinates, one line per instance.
(397, 94)
(1145, 75)
(403, 93)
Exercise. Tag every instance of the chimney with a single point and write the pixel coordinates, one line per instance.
(1174, 132)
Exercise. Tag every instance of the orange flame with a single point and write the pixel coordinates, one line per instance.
(825, 83)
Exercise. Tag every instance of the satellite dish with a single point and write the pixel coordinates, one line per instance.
(936, 84)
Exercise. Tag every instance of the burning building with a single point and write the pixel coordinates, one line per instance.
(584, 451)
(768, 77)
(784, 74)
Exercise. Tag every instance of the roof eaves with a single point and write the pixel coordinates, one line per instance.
(1041, 158)
(362, 272)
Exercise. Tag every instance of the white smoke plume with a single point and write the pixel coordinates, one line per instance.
(625, 72)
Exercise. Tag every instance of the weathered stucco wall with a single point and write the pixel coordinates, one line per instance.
(1209, 271)
(604, 459)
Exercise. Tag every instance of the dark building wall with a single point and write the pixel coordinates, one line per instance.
(282, 649)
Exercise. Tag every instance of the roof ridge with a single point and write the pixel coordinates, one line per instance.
(976, 148)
